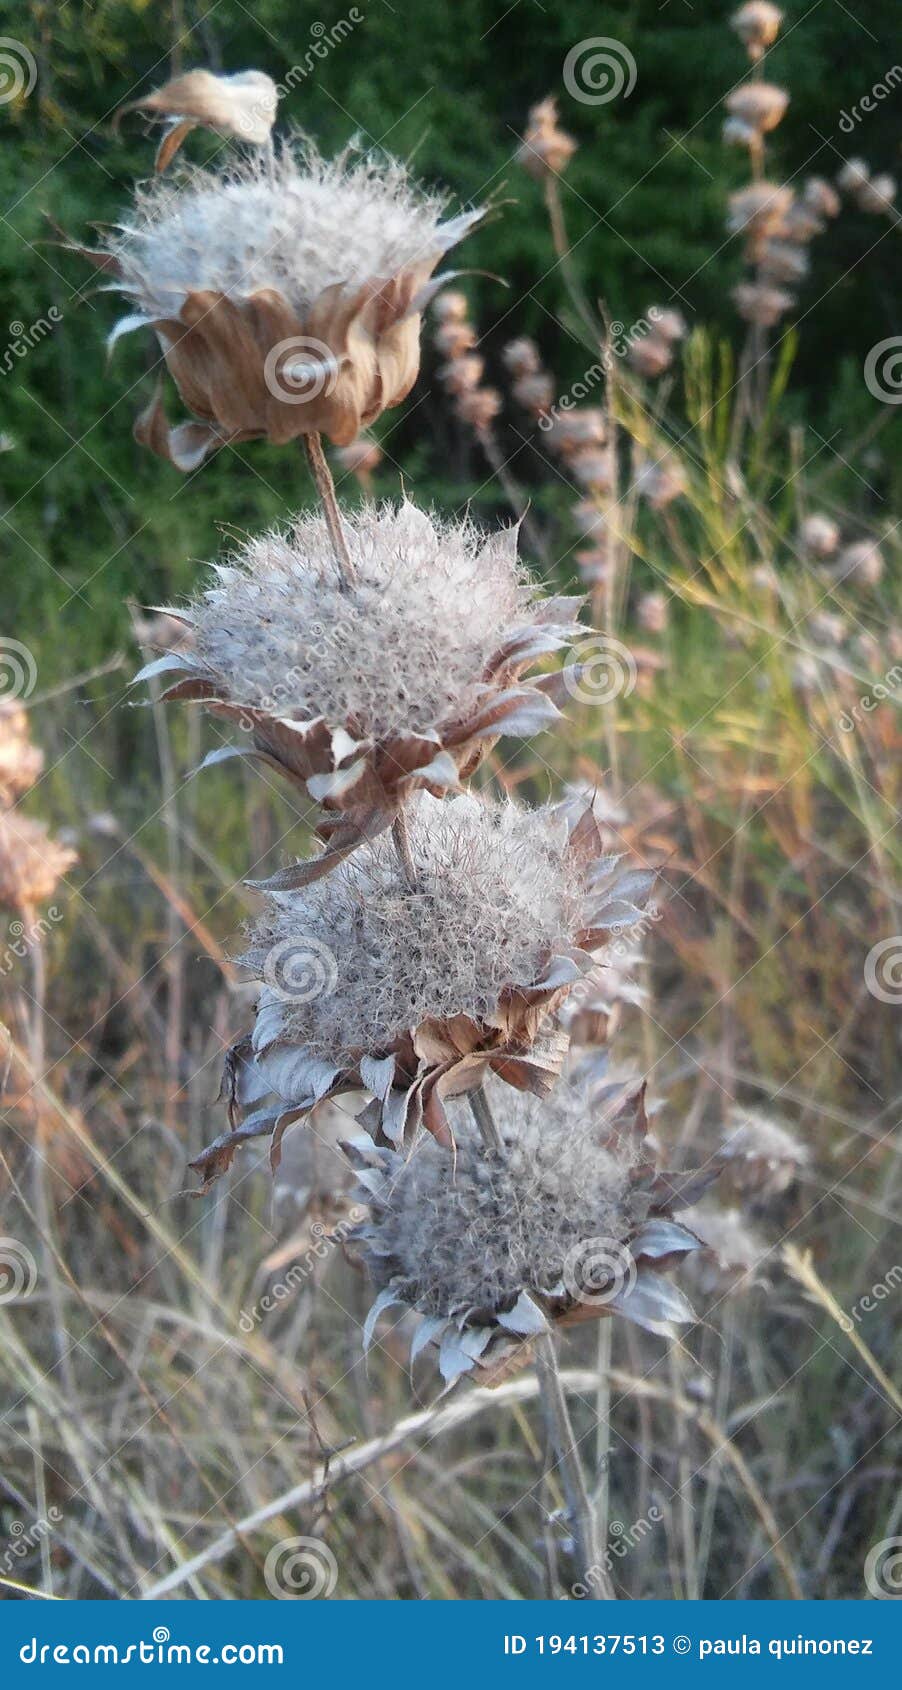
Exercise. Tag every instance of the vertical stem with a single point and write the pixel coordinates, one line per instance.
(325, 488)
(401, 837)
(562, 1445)
(481, 1110)
(603, 1430)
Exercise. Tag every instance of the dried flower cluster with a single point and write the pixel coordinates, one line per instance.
(286, 294)
(757, 25)
(873, 194)
(461, 372)
(367, 691)
(546, 149)
(32, 862)
(416, 980)
(566, 1220)
(651, 353)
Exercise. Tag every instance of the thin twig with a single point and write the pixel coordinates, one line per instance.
(481, 1110)
(325, 487)
(593, 1576)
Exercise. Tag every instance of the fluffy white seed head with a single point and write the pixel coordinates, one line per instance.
(470, 1231)
(494, 895)
(298, 224)
(403, 648)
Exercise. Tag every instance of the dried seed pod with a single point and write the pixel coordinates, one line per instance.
(479, 408)
(667, 324)
(783, 261)
(286, 295)
(877, 195)
(818, 535)
(757, 302)
(820, 197)
(450, 306)
(521, 357)
(757, 24)
(367, 691)
(733, 1256)
(572, 430)
(462, 374)
(416, 979)
(546, 149)
(594, 467)
(650, 355)
(761, 1154)
(661, 482)
(20, 761)
(861, 562)
(242, 107)
(567, 1221)
(760, 105)
(32, 862)
(534, 392)
(759, 209)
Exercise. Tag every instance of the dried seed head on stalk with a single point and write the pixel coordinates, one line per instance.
(568, 1221)
(21, 762)
(862, 562)
(758, 209)
(733, 1254)
(414, 983)
(818, 535)
(759, 105)
(758, 302)
(546, 149)
(32, 862)
(367, 691)
(757, 25)
(761, 1154)
(286, 294)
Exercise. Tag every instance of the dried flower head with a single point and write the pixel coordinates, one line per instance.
(650, 355)
(861, 562)
(761, 1154)
(479, 407)
(20, 761)
(783, 261)
(653, 613)
(545, 149)
(367, 691)
(760, 105)
(818, 535)
(820, 197)
(415, 982)
(758, 302)
(571, 431)
(242, 106)
(733, 1254)
(32, 863)
(661, 481)
(286, 294)
(757, 25)
(521, 357)
(566, 1221)
(759, 209)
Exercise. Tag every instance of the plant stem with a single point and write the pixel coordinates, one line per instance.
(562, 1445)
(482, 1114)
(603, 1430)
(325, 488)
(401, 837)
